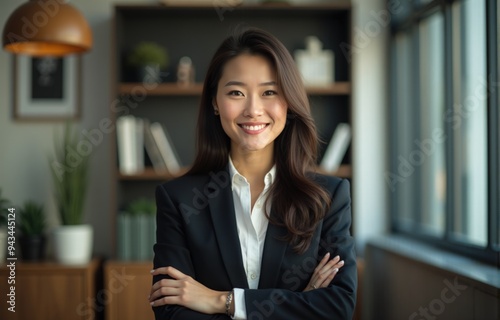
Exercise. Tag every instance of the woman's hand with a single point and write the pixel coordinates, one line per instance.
(324, 272)
(183, 290)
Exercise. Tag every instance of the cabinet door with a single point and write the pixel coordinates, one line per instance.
(46, 293)
(129, 285)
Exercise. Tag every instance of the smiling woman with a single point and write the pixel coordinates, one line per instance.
(270, 238)
(252, 113)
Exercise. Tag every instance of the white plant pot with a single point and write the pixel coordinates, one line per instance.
(73, 244)
(3, 244)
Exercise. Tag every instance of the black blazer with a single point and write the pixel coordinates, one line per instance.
(197, 234)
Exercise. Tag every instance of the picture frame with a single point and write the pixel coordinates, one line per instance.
(46, 88)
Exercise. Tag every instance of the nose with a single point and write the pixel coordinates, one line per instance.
(253, 107)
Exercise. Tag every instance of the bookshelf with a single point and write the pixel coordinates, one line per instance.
(196, 31)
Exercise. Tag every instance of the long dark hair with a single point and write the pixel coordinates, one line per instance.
(297, 202)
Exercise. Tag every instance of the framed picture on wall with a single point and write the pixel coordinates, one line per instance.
(46, 88)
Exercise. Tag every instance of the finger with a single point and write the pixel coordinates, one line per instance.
(158, 271)
(322, 262)
(171, 271)
(329, 266)
(327, 275)
(165, 300)
(164, 291)
(164, 283)
(328, 279)
(340, 264)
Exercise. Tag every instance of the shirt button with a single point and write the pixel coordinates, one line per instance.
(253, 276)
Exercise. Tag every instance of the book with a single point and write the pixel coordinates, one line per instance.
(151, 235)
(337, 148)
(139, 144)
(152, 150)
(125, 139)
(141, 231)
(164, 144)
(124, 231)
(130, 140)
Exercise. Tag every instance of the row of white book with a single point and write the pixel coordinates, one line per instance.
(337, 148)
(134, 135)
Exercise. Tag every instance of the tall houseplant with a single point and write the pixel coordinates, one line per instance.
(70, 168)
(32, 228)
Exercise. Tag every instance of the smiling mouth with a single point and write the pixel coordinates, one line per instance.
(253, 128)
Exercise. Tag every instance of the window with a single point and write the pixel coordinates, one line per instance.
(445, 164)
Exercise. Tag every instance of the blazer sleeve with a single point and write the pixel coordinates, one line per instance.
(336, 301)
(171, 250)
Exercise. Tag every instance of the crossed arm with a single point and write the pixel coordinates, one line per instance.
(177, 295)
(185, 291)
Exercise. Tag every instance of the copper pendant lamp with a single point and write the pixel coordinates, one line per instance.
(47, 28)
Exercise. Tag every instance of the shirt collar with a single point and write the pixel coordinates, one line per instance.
(236, 176)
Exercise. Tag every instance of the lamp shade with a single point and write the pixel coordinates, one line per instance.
(46, 27)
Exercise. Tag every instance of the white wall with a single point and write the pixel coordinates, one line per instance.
(24, 168)
(370, 105)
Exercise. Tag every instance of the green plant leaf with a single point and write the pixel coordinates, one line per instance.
(32, 219)
(70, 171)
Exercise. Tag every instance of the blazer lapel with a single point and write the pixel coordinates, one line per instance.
(274, 251)
(224, 221)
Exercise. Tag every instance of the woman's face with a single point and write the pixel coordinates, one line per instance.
(252, 110)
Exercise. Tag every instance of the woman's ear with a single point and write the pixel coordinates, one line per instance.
(214, 105)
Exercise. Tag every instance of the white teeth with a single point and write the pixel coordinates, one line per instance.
(254, 128)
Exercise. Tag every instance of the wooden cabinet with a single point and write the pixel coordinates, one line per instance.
(48, 291)
(129, 284)
(196, 32)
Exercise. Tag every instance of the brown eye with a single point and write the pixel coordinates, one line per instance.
(235, 93)
(270, 93)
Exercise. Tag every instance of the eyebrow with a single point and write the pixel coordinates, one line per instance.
(239, 83)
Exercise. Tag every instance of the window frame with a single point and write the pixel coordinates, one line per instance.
(409, 24)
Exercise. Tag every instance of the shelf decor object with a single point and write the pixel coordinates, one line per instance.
(315, 64)
(149, 58)
(73, 240)
(46, 28)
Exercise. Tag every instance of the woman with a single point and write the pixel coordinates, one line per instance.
(251, 232)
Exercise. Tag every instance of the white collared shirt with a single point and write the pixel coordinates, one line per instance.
(252, 227)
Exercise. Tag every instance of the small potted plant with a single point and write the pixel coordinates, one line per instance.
(73, 240)
(32, 227)
(149, 58)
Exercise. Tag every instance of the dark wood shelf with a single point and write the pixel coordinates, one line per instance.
(334, 89)
(149, 174)
(173, 89)
(344, 171)
(163, 89)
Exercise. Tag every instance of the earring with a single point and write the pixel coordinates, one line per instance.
(216, 112)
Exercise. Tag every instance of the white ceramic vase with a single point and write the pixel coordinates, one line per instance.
(73, 244)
